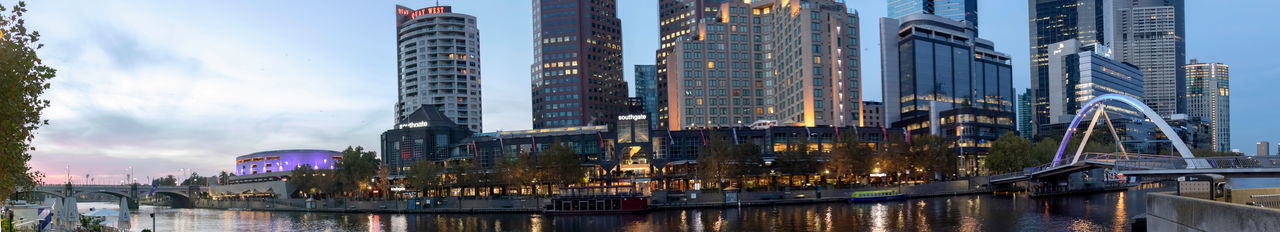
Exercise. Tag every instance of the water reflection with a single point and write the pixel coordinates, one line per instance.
(997, 212)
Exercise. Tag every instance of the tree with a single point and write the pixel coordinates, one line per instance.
(312, 181)
(849, 157)
(1009, 153)
(195, 179)
(23, 79)
(517, 170)
(716, 162)
(1044, 150)
(1202, 153)
(425, 176)
(356, 168)
(465, 174)
(799, 158)
(169, 180)
(561, 165)
(930, 154)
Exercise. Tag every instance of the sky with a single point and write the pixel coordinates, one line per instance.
(170, 87)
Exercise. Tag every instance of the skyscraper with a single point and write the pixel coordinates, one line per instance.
(1263, 148)
(941, 79)
(816, 61)
(1024, 114)
(1209, 98)
(959, 10)
(1052, 21)
(1078, 73)
(725, 71)
(677, 20)
(439, 61)
(646, 90)
(577, 69)
(1151, 35)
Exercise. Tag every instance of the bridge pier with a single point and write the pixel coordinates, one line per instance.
(133, 196)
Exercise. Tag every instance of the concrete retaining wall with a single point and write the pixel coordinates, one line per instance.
(1168, 212)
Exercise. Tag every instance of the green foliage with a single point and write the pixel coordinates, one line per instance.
(561, 165)
(714, 165)
(799, 158)
(169, 180)
(195, 179)
(311, 181)
(850, 157)
(465, 173)
(356, 168)
(1009, 153)
(1044, 150)
(931, 154)
(425, 175)
(516, 170)
(23, 79)
(1202, 153)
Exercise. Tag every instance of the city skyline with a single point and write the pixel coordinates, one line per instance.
(146, 91)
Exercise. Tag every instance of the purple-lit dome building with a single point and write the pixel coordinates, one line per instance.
(285, 160)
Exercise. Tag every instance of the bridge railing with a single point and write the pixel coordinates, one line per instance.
(1024, 172)
(1225, 162)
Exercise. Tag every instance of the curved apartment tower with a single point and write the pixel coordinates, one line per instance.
(439, 62)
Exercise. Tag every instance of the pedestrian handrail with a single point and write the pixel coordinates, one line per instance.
(1265, 200)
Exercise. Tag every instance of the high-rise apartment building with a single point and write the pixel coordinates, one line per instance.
(959, 10)
(646, 90)
(677, 20)
(791, 61)
(1078, 73)
(941, 79)
(1053, 21)
(1151, 35)
(577, 76)
(438, 54)
(1024, 114)
(1209, 98)
(816, 63)
(1263, 148)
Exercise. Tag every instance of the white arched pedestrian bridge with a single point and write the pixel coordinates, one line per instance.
(1183, 163)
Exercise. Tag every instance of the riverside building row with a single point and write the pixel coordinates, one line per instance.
(626, 146)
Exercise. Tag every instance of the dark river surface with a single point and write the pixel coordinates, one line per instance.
(1111, 211)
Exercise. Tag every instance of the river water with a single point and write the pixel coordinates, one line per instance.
(1110, 211)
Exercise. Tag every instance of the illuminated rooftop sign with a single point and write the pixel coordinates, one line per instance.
(633, 117)
(407, 14)
(413, 125)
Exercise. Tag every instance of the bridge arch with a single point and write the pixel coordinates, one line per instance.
(1096, 103)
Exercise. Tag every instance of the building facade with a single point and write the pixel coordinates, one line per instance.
(678, 20)
(1053, 21)
(1151, 35)
(959, 10)
(728, 72)
(872, 114)
(1263, 148)
(438, 54)
(1024, 115)
(941, 79)
(816, 63)
(1209, 98)
(285, 160)
(1078, 73)
(646, 89)
(424, 135)
(577, 76)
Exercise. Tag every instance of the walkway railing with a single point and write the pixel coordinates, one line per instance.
(1268, 200)
(1226, 162)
